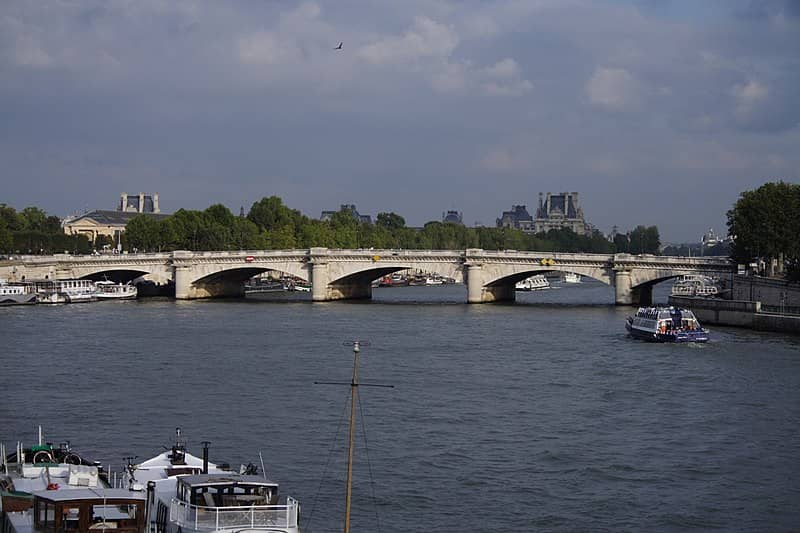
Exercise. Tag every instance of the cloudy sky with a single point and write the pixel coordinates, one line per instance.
(656, 112)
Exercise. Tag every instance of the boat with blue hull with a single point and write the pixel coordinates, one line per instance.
(666, 324)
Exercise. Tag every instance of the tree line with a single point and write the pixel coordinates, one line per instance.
(765, 224)
(271, 225)
(33, 231)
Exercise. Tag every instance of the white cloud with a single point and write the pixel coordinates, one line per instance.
(501, 160)
(504, 78)
(425, 39)
(613, 88)
(505, 68)
(748, 96)
(28, 52)
(264, 48)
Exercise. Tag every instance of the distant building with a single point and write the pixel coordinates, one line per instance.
(453, 217)
(138, 203)
(517, 218)
(560, 211)
(326, 215)
(112, 223)
(710, 239)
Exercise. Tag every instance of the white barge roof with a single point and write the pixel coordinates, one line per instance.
(90, 494)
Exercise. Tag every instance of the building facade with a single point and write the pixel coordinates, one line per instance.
(138, 203)
(558, 211)
(453, 217)
(326, 215)
(112, 223)
(517, 218)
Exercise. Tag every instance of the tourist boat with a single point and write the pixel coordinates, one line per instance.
(17, 293)
(64, 291)
(695, 285)
(53, 489)
(188, 494)
(108, 290)
(262, 286)
(298, 286)
(533, 283)
(571, 277)
(666, 324)
(394, 280)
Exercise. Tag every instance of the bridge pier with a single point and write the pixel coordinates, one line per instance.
(627, 295)
(319, 280)
(477, 293)
(623, 293)
(183, 282)
(474, 283)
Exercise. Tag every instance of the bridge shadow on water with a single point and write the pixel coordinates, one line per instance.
(588, 293)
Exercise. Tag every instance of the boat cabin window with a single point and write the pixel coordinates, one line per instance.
(81, 516)
(228, 495)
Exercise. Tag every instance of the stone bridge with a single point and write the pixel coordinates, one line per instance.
(347, 274)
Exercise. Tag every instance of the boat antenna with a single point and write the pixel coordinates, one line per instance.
(354, 384)
(263, 470)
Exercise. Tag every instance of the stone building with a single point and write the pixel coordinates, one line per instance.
(326, 215)
(517, 218)
(558, 211)
(138, 203)
(453, 217)
(112, 223)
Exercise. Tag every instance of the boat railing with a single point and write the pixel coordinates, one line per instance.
(198, 517)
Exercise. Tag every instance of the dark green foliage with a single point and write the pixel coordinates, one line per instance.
(765, 224)
(32, 231)
(644, 240)
(270, 225)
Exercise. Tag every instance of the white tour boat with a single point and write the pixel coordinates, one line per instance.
(16, 293)
(666, 324)
(64, 291)
(108, 290)
(533, 283)
(571, 277)
(695, 285)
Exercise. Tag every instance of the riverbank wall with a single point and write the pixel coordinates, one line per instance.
(738, 313)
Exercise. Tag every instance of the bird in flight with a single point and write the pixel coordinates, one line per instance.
(340, 46)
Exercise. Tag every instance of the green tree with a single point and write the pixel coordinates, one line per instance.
(644, 240)
(11, 217)
(390, 221)
(143, 233)
(621, 243)
(33, 219)
(6, 238)
(765, 223)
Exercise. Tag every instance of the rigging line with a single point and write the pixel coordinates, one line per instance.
(369, 464)
(327, 463)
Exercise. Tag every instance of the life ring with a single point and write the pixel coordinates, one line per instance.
(42, 456)
(52, 486)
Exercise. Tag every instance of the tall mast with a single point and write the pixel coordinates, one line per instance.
(353, 392)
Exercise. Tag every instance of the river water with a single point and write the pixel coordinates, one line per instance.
(540, 415)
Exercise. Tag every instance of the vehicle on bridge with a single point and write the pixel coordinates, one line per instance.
(666, 324)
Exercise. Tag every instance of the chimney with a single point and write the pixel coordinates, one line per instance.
(155, 203)
(123, 202)
(141, 203)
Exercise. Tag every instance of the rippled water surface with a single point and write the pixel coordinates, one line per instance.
(540, 415)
